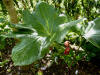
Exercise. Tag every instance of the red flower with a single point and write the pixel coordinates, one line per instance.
(67, 50)
(66, 43)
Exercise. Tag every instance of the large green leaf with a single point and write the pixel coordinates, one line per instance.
(26, 52)
(44, 19)
(29, 50)
(92, 33)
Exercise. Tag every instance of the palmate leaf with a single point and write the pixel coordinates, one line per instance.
(92, 32)
(45, 26)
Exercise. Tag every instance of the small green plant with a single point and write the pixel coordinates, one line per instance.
(43, 28)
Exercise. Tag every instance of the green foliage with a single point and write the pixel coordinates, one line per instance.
(2, 43)
(1, 19)
(3, 62)
(29, 50)
(47, 27)
(44, 27)
(3, 29)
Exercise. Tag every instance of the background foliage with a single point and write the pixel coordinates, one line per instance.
(73, 9)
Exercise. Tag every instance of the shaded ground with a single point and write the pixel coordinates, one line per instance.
(83, 68)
